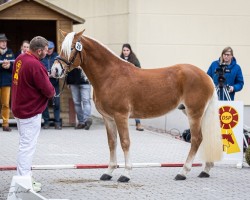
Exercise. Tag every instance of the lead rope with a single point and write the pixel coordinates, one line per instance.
(61, 91)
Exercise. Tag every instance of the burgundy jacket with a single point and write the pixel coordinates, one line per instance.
(31, 87)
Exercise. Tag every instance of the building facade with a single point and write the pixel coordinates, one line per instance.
(165, 32)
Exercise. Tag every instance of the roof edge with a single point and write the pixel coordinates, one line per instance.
(77, 20)
(8, 4)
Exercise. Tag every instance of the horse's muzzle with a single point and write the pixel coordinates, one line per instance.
(56, 70)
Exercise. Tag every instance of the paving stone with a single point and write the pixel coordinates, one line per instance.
(70, 146)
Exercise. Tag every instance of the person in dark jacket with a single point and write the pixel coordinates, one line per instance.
(48, 62)
(226, 68)
(6, 65)
(81, 94)
(128, 55)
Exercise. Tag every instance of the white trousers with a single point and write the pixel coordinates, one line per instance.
(29, 130)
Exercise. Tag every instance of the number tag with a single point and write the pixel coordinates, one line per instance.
(78, 46)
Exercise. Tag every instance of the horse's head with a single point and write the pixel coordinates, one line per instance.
(71, 55)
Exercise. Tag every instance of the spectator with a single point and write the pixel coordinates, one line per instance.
(6, 55)
(30, 78)
(226, 74)
(129, 55)
(24, 47)
(48, 62)
(231, 77)
(81, 91)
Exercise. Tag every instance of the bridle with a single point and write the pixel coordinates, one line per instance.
(78, 48)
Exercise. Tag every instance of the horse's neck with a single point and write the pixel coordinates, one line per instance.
(98, 51)
(99, 62)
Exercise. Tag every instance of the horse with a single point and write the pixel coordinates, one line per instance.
(228, 137)
(122, 91)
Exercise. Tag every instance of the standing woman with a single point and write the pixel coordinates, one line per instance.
(128, 55)
(24, 48)
(233, 80)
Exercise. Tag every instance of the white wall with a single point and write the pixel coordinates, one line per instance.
(194, 31)
(166, 32)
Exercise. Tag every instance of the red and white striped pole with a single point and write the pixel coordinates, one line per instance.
(98, 166)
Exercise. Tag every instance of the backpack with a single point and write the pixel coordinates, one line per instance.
(186, 135)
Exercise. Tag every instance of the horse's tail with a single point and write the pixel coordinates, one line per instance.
(211, 148)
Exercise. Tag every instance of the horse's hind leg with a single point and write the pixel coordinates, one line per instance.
(196, 138)
(205, 172)
(112, 141)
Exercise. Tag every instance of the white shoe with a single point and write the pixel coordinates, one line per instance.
(37, 187)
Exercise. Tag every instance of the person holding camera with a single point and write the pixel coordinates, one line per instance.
(48, 61)
(226, 72)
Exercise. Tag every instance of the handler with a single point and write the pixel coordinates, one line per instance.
(31, 90)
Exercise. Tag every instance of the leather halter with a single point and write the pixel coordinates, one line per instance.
(78, 48)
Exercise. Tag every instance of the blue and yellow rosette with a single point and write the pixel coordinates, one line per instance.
(229, 119)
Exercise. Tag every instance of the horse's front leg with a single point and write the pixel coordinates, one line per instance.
(112, 141)
(122, 126)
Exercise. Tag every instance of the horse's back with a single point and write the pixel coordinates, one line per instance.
(184, 78)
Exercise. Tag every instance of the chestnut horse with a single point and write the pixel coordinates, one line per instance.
(122, 91)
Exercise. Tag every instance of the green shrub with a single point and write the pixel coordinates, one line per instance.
(247, 155)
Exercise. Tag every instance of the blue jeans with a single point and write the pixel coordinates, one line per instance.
(81, 99)
(137, 121)
(56, 109)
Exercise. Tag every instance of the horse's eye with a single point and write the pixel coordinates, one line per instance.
(71, 48)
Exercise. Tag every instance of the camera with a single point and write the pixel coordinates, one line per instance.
(220, 71)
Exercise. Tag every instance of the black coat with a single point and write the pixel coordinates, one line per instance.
(6, 74)
(76, 77)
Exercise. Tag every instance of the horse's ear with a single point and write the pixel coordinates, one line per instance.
(80, 33)
(63, 33)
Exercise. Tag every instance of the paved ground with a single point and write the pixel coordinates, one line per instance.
(70, 146)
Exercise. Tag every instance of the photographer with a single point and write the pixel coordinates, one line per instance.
(226, 72)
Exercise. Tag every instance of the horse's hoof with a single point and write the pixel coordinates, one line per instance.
(123, 179)
(204, 175)
(180, 177)
(105, 177)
